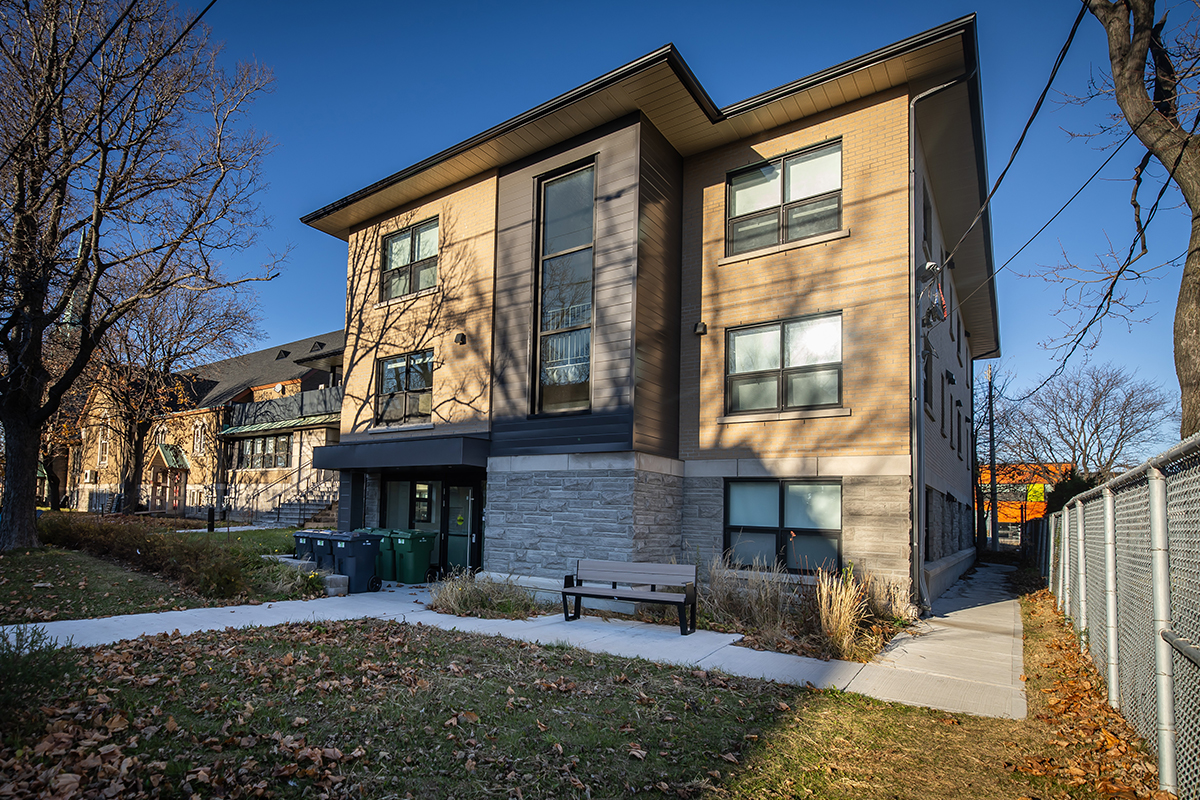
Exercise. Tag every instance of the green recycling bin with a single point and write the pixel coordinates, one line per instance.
(413, 551)
(385, 562)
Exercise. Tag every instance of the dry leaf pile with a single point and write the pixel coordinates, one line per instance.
(1096, 746)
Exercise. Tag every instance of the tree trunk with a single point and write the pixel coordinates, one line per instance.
(136, 459)
(53, 487)
(18, 523)
(1187, 335)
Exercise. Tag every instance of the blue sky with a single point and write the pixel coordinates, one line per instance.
(373, 87)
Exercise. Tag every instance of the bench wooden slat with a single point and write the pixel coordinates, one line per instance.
(638, 576)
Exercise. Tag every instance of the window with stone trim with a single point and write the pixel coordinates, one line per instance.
(796, 524)
(785, 200)
(198, 437)
(783, 366)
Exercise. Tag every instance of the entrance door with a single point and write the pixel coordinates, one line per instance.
(462, 546)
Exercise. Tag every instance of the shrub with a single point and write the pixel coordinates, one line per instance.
(30, 661)
(197, 561)
(466, 594)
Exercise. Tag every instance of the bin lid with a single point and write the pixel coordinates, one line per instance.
(420, 536)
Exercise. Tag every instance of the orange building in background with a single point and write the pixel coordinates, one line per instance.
(1021, 489)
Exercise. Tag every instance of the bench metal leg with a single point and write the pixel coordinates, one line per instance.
(684, 628)
(567, 614)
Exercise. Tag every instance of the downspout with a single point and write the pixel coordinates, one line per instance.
(916, 426)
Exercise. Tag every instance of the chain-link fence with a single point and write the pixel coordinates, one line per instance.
(1123, 560)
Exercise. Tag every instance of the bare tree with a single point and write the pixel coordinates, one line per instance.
(1101, 418)
(126, 170)
(1154, 80)
(143, 357)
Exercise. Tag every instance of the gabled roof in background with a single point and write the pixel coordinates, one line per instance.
(662, 86)
(221, 381)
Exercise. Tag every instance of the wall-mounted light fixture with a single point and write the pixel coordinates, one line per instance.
(700, 329)
(460, 338)
(950, 379)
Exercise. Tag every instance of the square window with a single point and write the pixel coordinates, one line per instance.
(405, 394)
(782, 366)
(409, 261)
(809, 537)
(790, 198)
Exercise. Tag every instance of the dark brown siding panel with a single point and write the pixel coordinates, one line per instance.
(609, 425)
(656, 316)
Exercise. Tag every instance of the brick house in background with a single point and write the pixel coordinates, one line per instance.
(241, 438)
(628, 324)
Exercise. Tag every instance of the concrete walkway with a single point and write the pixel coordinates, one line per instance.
(966, 657)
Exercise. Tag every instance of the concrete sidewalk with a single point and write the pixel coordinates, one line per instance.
(967, 657)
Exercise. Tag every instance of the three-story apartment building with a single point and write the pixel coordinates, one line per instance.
(628, 324)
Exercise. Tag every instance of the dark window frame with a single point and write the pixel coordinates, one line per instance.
(784, 372)
(412, 267)
(783, 532)
(252, 452)
(406, 393)
(780, 210)
(541, 257)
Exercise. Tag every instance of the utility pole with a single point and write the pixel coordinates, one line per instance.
(995, 516)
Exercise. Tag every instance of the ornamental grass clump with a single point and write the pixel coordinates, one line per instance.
(466, 594)
(842, 609)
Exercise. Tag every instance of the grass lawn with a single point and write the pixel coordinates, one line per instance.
(384, 709)
(51, 583)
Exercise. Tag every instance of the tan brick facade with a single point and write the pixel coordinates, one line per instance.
(864, 275)
(461, 302)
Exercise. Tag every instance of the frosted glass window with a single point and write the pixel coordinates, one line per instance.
(792, 198)
(754, 190)
(810, 375)
(812, 505)
(753, 549)
(810, 553)
(820, 387)
(813, 173)
(754, 394)
(754, 505)
(814, 341)
(754, 350)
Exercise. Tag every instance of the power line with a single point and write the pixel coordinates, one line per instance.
(33, 126)
(1062, 54)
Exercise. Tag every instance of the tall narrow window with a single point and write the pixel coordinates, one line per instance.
(198, 438)
(102, 445)
(565, 293)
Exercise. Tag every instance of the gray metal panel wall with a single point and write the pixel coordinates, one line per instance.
(609, 426)
(657, 319)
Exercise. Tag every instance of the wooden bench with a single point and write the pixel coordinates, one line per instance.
(642, 579)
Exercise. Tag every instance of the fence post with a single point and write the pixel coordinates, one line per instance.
(1081, 624)
(1065, 570)
(1160, 562)
(1110, 596)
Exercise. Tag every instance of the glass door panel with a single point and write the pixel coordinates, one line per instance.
(460, 526)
